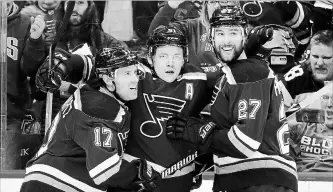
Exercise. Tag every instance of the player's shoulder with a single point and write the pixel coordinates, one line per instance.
(192, 72)
(248, 70)
(98, 105)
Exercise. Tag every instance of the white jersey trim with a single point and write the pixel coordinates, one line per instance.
(77, 100)
(120, 115)
(184, 171)
(105, 165)
(239, 145)
(193, 76)
(49, 181)
(230, 78)
(246, 139)
(61, 176)
(227, 165)
(109, 173)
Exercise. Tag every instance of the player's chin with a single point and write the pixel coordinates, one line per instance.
(320, 76)
(132, 94)
(169, 78)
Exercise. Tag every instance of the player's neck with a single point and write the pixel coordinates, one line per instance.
(111, 94)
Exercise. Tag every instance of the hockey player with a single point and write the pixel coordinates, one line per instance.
(170, 86)
(83, 149)
(249, 132)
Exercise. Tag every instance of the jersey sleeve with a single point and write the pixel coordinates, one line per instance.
(242, 110)
(100, 142)
(79, 67)
(103, 141)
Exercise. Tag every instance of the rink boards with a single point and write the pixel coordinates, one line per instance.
(309, 182)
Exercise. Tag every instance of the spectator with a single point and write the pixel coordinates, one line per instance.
(52, 11)
(311, 141)
(83, 29)
(310, 78)
(143, 14)
(25, 51)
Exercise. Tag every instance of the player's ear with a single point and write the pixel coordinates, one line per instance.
(108, 82)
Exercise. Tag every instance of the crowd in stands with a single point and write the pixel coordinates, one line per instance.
(304, 64)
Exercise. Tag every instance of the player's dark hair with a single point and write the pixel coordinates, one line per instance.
(322, 37)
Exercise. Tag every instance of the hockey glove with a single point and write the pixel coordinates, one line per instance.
(191, 129)
(149, 179)
(50, 79)
(256, 38)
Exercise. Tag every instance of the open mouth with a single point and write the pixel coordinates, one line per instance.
(321, 70)
(329, 114)
(227, 48)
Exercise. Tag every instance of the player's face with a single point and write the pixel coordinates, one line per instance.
(229, 42)
(168, 62)
(126, 81)
(80, 8)
(321, 60)
(327, 106)
(49, 4)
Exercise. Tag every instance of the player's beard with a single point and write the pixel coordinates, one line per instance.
(229, 57)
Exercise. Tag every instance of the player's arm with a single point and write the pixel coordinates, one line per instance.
(67, 67)
(104, 145)
(243, 138)
(239, 140)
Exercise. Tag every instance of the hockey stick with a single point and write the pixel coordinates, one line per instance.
(292, 111)
(49, 96)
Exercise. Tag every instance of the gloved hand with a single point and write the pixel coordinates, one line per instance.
(196, 183)
(50, 79)
(257, 37)
(191, 129)
(263, 39)
(148, 178)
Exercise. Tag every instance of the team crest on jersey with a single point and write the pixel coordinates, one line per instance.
(189, 91)
(160, 108)
(123, 140)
